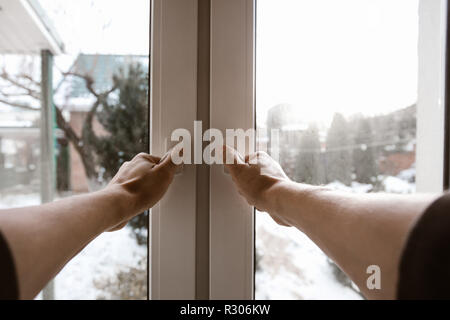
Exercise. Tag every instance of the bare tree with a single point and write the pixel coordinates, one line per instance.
(16, 87)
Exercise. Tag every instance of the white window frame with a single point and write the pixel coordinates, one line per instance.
(173, 105)
(431, 96)
(232, 107)
(174, 62)
(174, 99)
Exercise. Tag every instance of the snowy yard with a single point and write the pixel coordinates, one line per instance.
(97, 263)
(290, 266)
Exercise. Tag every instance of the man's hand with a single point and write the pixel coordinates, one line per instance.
(255, 176)
(142, 181)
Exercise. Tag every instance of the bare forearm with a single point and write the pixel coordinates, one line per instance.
(44, 238)
(355, 230)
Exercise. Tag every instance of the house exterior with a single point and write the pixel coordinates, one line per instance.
(24, 30)
(76, 101)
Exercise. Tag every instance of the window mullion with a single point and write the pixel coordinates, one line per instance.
(232, 107)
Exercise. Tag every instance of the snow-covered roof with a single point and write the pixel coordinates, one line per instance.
(25, 29)
(72, 92)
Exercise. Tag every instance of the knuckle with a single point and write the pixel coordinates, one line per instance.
(142, 155)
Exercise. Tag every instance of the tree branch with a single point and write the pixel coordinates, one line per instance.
(87, 79)
(68, 131)
(18, 105)
(29, 78)
(33, 93)
(90, 85)
(9, 95)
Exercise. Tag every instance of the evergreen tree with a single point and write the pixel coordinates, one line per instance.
(308, 168)
(364, 154)
(124, 118)
(338, 155)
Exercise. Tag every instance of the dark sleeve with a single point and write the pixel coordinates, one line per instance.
(8, 280)
(425, 264)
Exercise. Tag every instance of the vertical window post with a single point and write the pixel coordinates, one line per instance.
(202, 69)
(47, 141)
(431, 96)
(173, 106)
(232, 107)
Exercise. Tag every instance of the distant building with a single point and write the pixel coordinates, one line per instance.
(393, 139)
(76, 100)
(24, 30)
(19, 148)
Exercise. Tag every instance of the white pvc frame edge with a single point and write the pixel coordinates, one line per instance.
(232, 107)
(173, 105)
(431, 95)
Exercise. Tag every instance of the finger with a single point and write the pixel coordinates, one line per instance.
(257, 157)
(232, 157)
(167, 163)
(252, 158)
(154, 159)
(148, 157)
(232, 160)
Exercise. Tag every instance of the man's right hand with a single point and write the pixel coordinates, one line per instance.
(255, 177)
(143, 181)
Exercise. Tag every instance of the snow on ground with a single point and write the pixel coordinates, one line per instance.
(19, 200)
(100, 260)
(355, 187)
(397, 185)
(290, 266)
(408, 174)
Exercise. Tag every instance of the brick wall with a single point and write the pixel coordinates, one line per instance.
(78, 177)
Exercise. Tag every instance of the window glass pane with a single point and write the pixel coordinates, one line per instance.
(19, 135)
(338, 80)
(101, 103)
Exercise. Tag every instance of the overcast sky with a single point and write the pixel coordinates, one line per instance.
(326, 56)
(322, 56)
(101, 26)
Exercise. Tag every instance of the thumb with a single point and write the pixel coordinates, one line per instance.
(231, 156)
(167, 162)
(232, 159)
